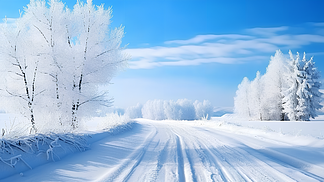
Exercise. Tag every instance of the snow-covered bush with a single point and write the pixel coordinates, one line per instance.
(26, 152)
(172, 110)
(111, 121)
(153, 109)
(182, 109)
(203, 109)
(134, 111)
(187, 109)
(14, 128)
(288, 90)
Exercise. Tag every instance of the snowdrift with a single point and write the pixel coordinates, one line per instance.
(23, 153)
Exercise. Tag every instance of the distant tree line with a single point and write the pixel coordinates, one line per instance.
(182, 109)
(289, 90)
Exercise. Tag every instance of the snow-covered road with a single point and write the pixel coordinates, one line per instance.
(184, 151)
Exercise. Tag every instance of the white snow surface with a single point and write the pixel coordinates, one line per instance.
(215, 150)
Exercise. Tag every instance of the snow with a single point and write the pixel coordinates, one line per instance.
(20, 152)
(221, 149)
(313, 128)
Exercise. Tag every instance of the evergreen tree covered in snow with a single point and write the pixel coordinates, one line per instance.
(312, 85)
(290, 101)
(288, 90)
(308, 95)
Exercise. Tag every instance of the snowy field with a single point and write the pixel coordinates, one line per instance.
(57, 65)
(313, 128)
(214, 150)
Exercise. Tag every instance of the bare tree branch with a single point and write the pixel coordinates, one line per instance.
(16, 95)
(42, 34)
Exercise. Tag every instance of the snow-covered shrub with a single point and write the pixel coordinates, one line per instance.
(27, 151)
(187, 109)
(14, 128)
(203, 109)
(134, 111)
(153, 109)
(182, 109)
(172, 110)
(111, 121)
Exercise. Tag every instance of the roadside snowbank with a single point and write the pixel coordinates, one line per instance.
(22, 153)
(312, 129)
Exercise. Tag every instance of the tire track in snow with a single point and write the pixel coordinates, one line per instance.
(217, 171)
(260, 154)
(224, 169)
(128, 166)
(180, 160)
(179, 151)
(227, 156)
(310, 170)
(246, 166)
(160, 161)
(303, 167)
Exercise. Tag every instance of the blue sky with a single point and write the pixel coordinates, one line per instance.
(202, 49)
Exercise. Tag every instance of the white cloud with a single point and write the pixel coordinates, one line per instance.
(258, 44)
(319, 24)
(146, 63)
(267, 31)
(204, 38)
(226, 52)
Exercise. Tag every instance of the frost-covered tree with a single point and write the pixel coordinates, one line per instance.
(241, 101)
(97, 57)
(153, 109)
(172, 110)
(313, 85)
(134, 111)
(288, 90)
(20, 71)
(182, 109)
(203, 109)
(308, 95)
(290, 101)
(255, 96)
(49, 26)
(274, 83)
(57, 58)
(187, 109)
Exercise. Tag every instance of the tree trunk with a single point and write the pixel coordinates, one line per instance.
(75, 108)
